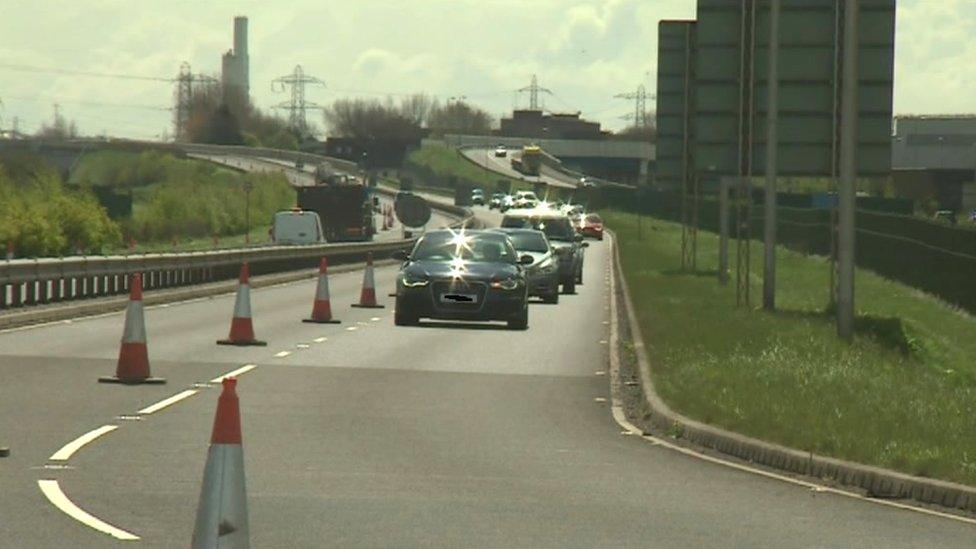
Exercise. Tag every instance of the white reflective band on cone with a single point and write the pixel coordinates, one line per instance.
(135, 324)
(322, 291)
(222, 512)
(368, 281)
(242, 305)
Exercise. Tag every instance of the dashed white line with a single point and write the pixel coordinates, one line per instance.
(70, 448)
(234, 373)
(52, 490)
(352, 328)
(282, 354)
(168, 401)
(320, 339)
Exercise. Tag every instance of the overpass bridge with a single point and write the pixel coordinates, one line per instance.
(620, 161)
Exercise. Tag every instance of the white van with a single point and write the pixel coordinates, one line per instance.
(297, 226)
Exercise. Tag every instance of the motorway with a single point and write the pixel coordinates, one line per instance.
(364, 434)
(503, 165)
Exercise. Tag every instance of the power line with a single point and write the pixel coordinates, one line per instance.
(71, 72)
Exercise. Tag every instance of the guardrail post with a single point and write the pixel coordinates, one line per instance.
(3, 296)
(30, 297)
(17, 294)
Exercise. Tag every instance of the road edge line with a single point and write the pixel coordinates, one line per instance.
(52, 491)
(723, 440)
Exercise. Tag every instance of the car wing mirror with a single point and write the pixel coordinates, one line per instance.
(526, 260)
(585, 244)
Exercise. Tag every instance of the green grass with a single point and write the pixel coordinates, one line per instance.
(902, 395)
(259, 237)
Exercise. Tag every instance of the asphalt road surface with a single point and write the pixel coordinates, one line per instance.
(364, 434)
(503, 165)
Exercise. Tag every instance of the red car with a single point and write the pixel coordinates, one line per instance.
(591, 225)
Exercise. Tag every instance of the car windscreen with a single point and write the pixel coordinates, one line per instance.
(529, 242)
(478, 248)
(556, 228)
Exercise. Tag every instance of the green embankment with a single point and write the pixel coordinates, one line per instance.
(186, 202)
(902, 395)
(40, 216)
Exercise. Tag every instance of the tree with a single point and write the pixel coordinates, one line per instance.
(639, 133)
(59, 128)
(369, 118)
(459, 117)
(206, 100)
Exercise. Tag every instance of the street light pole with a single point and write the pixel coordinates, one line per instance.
(772, 144)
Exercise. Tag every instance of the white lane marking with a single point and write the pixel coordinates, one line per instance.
(319, 339)
(168, 401)
(617, 410)
(375, 319)
(52, 490)
(303, 346)
(70, 448)
(234, 373)
(352, 328)
(282, 354)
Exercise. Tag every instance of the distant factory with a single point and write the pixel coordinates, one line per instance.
(234, 76)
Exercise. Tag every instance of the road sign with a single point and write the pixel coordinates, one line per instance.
(412, 211)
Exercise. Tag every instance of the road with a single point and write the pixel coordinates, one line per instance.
(486, 158)
(364, 434)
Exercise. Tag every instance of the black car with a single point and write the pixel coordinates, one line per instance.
(542, 275)
(463, 275)
(563, 238)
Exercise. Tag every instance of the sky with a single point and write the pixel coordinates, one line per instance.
(585, 52)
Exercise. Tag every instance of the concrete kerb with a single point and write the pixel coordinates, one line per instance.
(875, 482)
(118, 303)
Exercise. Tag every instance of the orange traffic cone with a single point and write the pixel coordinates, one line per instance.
(222, 511)
(133, 364)
(322, 308)
(367, 298)
(241, 329)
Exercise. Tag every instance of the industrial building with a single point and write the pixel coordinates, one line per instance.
(536, 123)
(234, 76)
(934, 156)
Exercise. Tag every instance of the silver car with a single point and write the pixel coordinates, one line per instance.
(542, 275)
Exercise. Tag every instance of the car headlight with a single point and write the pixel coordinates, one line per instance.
(414, 281)
(546, 265)
(506, 284)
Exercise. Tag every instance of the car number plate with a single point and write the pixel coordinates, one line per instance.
(459, 298)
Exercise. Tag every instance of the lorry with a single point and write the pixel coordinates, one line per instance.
(343, 203)
(529, 162)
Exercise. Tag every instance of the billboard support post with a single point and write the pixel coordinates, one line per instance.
(848, 174)
(772, 143)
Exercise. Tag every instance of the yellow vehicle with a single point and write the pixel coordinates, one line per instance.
(530, 161)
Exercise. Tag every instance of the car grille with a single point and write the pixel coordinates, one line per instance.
(479, 289)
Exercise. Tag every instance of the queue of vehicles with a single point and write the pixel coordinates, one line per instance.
(490, 274)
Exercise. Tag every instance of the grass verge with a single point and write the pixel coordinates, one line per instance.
(902, 395)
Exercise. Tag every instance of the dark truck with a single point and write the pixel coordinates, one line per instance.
(344, 205)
